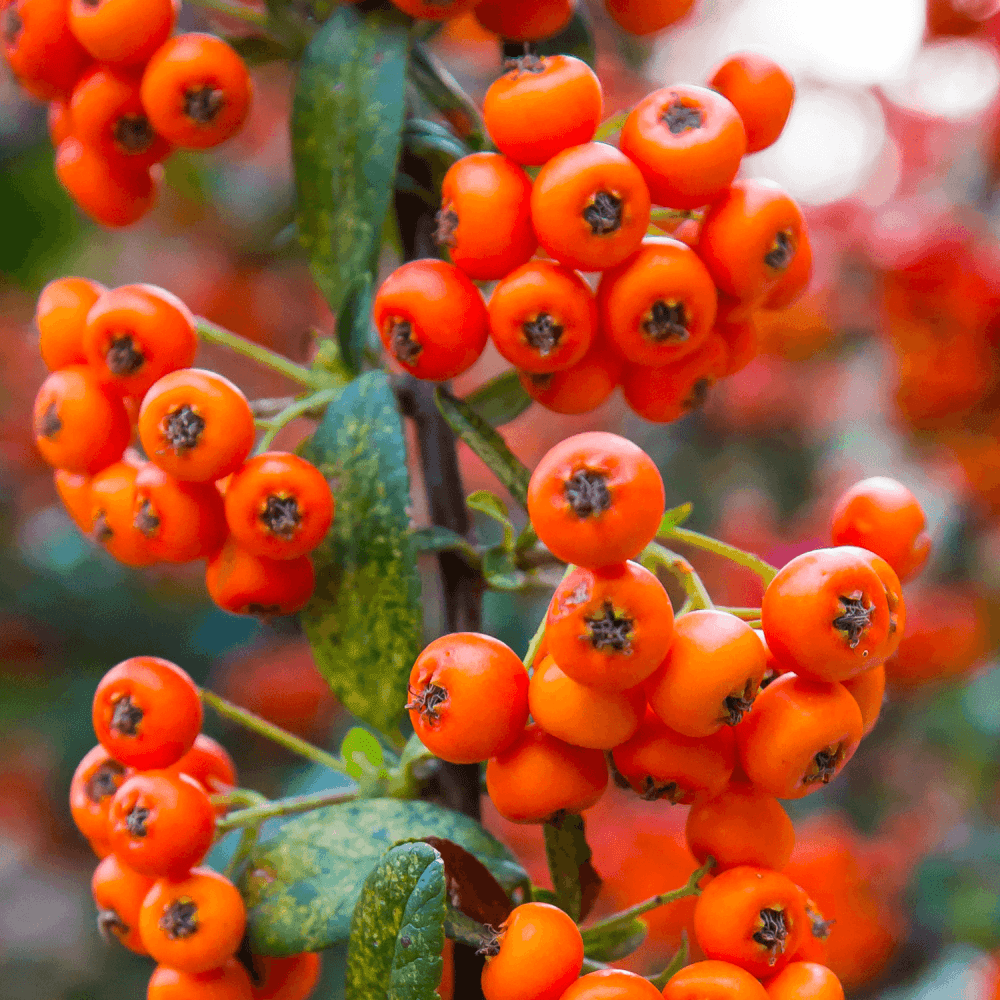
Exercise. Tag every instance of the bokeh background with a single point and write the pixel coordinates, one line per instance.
(888, 365)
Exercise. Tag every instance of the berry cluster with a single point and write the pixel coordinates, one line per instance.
(120, 361)
(670, 315)
(704, 710)
(141, 798)
(532, 20)
(122, 93)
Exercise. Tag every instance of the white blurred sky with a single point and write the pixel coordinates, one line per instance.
(836, 141)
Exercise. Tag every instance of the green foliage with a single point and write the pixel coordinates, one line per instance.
(499, 563)
(347, 121)
(438, 539)
(608, 944)
(39, 219)
(302, 883)
(435, 145)
(486, 443)
(442, 92)
(500, 400)
(364, 620)
(397, 932)
(574, 879)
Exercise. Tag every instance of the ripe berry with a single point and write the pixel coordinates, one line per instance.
(468, 697)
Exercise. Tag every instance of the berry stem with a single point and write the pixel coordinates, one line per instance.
(272, 732)
(746, 559)
(610, 126)
(747, 614)
(298, 408)
(213, 334)
(677, 963)
(237, 10)
(623, 917)
(463, 929)
(655, 555)
(256, 815)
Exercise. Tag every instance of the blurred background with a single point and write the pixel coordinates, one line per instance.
(890, 364)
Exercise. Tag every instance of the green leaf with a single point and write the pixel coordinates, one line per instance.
(574, 879)
(257, 49)
(397, 933)
(302, 882)
(354, 323)
(492, 506)
(359, 743)
(674, 517)
(438, 539)
(614, 941)
(347, 120)
(500, 400)
(440, 89)
(486, 443)
(435, 145)
(500, 569)
(364, 620)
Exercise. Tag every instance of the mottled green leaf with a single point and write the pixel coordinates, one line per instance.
(673, 517)
(500, 400)
(301, 883)
(574, 879)
(357, 747)
(364, 621)
(347, 120)
(614, 941)
(486, 443)
(397, 932)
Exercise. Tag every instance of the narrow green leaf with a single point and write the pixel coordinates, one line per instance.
(364, 621)
(435, 145)
(440, 89)
(354, 325)
(674, 517)
(357, 746)
(302, 882)
(486, 443)
(438, 539)
(568, 854)
(492, 506)
(347, 120)
(397, 932)
(500, 400)
(256, 50)
(608, 944)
